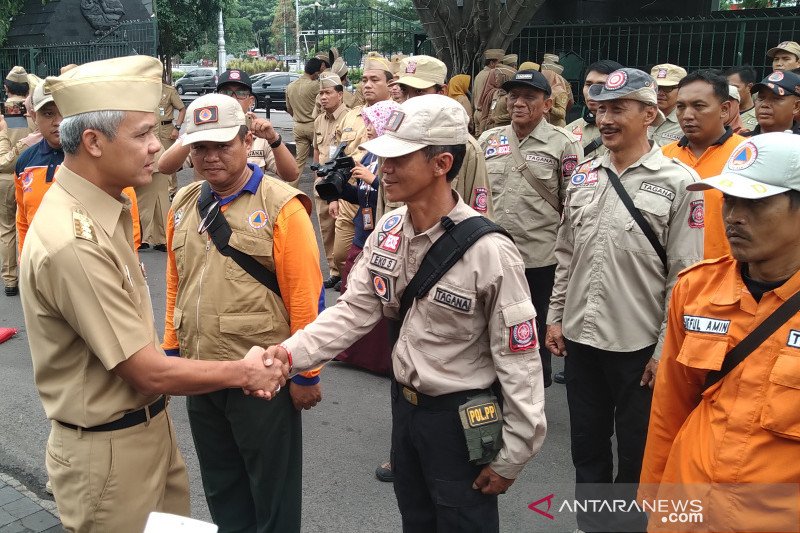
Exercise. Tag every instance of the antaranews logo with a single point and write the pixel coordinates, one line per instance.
(535, 506)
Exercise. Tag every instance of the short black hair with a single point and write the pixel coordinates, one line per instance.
(389, 75)
(339, 88)
(459, 151)
(604, 66)
(16, 88)
(746, 73)
(717, 81)
(313, 65)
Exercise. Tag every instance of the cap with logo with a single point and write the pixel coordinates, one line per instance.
(17, 75)
(626, 83)
(421, 72)
(763, 165)
(131, 83)
(494, 53)
(733, 93)
(215, 118)
(780, 82)
(667, 74)
(329, 79)
(510, 59)
(428, 120)
(39, 98)
(374, 61)
(528, 78)
(234, 76)
(786, 46)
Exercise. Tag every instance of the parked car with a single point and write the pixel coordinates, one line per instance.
(270, 89)
(200, 81)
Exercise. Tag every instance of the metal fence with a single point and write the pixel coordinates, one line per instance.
(129, 38)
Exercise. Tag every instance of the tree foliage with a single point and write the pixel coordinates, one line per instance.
(8, 8)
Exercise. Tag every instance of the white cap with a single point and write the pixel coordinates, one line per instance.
(733, 92)
(428, 120)
(213, 117)
(763, 165)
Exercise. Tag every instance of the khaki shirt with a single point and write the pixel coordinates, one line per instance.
(347, 99)
(499, 114)
(324, 132)
(551, 153)
(611, 291)
(351, 130)
(668, 132)
(262, 155)
(478, 85)
(586, 134)
(170, 101)
(301, 97)
(749, 119)
(86, 302)
(464, 335)
(10, 146)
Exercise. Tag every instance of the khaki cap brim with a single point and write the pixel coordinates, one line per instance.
(220, 135)
(738, 186)
(413, 81)
(772, 51)
(388, 145)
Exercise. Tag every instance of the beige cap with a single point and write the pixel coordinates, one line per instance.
(421, 72)
(339, 67)
(786, 46)
(323, 56)
(428, 120)
(39, 99)
(555, 67)
(131, 83)
(510, 60)
(67, 68)
(329, 79)
(213, 117)
(733, 92)
(33, 81)
(667, 74)
(550, 58)
(17, 75)
(529, 65)
(375, 61)
(394, 63)
(494, 53)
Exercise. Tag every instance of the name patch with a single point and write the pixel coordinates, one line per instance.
(382, 261)
(794, 339)
(482, 414)
(451, 299)
(655, 189)
(702, 324)
(536, 158)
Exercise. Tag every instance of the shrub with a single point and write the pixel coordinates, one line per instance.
(254, 66)
(177, 74)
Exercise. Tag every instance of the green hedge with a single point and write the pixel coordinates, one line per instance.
(177, 74)
(254, 66)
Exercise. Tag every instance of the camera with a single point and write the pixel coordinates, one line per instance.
(13, 109)
(334, 174)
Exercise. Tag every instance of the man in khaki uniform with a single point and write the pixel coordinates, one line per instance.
(477, 320)
(12, 131)
(330, 95)
(667, 77)
(743, 78)
(426, 75)
(608, 308)
(500, 114)
(585, 128)
(301, 97)
(491, 57)
(169, 127)
(785, 56)
(529, 164)
(112, 455)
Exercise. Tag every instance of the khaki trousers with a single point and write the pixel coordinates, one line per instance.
(112, 480)
(327, 230)
(164, 131)
(345, 231)
(303, 137)
(153, 200)
(8, 231)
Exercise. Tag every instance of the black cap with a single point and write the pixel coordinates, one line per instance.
(528, 78)
(780, 82)
(235, 76)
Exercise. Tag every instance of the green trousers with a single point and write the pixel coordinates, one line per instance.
(251, 460)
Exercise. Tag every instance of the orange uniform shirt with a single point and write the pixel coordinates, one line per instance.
(744, 429)
(708, 165)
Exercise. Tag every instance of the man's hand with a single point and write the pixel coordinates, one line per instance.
(174, 134)
(32, 138)
(649, 375)
(554, 340)
(333, 209)
(265, 375)
(490, 482)
(361, 172)
(262, 128)
(305, 396)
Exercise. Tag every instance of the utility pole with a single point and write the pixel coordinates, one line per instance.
(297, 31)
(221, 54)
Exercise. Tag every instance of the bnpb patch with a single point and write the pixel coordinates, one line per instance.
(578, 179)
(411, 68)
(481, 200)
(696, 214)
(382, 286)
(743, 157)
(616, 80)
(258, 219)
(522, 337)
(206, 115)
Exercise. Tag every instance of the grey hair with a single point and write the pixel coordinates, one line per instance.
(72, 128)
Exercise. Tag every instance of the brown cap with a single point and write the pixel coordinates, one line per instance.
(786, 46)
(329, 79)
(510, 60)
(494, 53)
(529, 65)
(375, 61)
(555, 67)
(667, 74)
(549, 58)
(422, 72)
(17, 75)
(131, 83)
(339, 67)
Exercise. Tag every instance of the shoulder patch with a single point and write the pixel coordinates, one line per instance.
(83, 226)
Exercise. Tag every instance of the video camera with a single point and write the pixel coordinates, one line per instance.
(334, 174)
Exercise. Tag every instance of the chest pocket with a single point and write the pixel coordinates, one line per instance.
(498, 169)
(781, 414)
(582, 211)
(349, 135)
(450, 312)
(179, 249)
(628, 236)
(258, 247)
(704, 352)
(543, 167)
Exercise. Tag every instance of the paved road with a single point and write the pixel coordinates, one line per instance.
(345, 437)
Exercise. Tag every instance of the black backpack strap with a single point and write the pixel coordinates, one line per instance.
(755, 338)
(445, 252)
(592, 146)
(220, 232)
(637, 216)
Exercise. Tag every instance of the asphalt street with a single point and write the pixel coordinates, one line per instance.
(345, 437)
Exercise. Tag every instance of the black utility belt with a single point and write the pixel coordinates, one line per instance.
(134, 418)
(445, 402)
(165, 122)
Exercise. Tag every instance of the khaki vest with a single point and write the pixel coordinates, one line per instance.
(220, 310)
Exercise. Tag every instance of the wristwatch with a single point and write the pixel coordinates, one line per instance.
(277, 142)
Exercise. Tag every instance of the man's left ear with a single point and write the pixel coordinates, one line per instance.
(443, 162)
(725, 107)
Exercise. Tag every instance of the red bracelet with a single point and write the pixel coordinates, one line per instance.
(289, 354)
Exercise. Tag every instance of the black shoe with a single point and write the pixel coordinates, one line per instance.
(12, 291)
(331, 282)
(559, 377)
(144, 246)
(160, 247)
(384, 472)
(338, 286)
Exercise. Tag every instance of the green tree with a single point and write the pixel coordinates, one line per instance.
(283, 28)
(8, 8)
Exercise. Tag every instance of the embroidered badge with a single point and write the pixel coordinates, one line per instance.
(83, 227)
(591, 178)
(578, 179)
(662, 73)
(616, 80)
(391, 243)
(391, 222)
(702, 324)
(176, 218)
(696, 214)
(452, 300)
(27, 179)
(206, 115)
(522, 337)
(568, 164)
(235, 75)
(503, 149)
(743, 157)
(536, 158)
(794, 339)
(255, 153)
(655, 189)
(481, 202)
(394, 121)
(258, 219)
(578, 133)
(382, 286)
(382, 261)
(490, 151)
(776, 76)
(411, 68)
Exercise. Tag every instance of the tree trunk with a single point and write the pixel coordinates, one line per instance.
(461, 34)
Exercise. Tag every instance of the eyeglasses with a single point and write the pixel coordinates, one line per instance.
(211, 214)
(239, 94)
(667, 89)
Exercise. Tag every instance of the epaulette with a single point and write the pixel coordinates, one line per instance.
(704, 262)
(83, 226)
(569, 135)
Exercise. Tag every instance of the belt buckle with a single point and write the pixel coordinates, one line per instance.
(410, 396)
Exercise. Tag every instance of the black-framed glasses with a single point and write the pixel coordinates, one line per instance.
(239, 94)
(211, 214)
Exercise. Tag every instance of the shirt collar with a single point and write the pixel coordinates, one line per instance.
(460, 211)
(104, 209)
(673, 117)
(732, 287)
(719, 142)
(651, 160)
(251, 186)
(541, 132)
(338, 112)
(46, 149)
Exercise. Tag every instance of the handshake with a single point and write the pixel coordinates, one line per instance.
(266, 371)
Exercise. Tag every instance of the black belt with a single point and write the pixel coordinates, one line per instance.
(163, 122)
(445, 402)
(131, 419)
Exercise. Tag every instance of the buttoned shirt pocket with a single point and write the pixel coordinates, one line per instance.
(582, 212)
(253, 245)
(519, 333)
(703, 352)
(543, 168)
(239, 332)
(179, 249)
(627, 234)
(781, 412)
(450, 312)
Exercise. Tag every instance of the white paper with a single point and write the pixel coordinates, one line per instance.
(170, 523)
